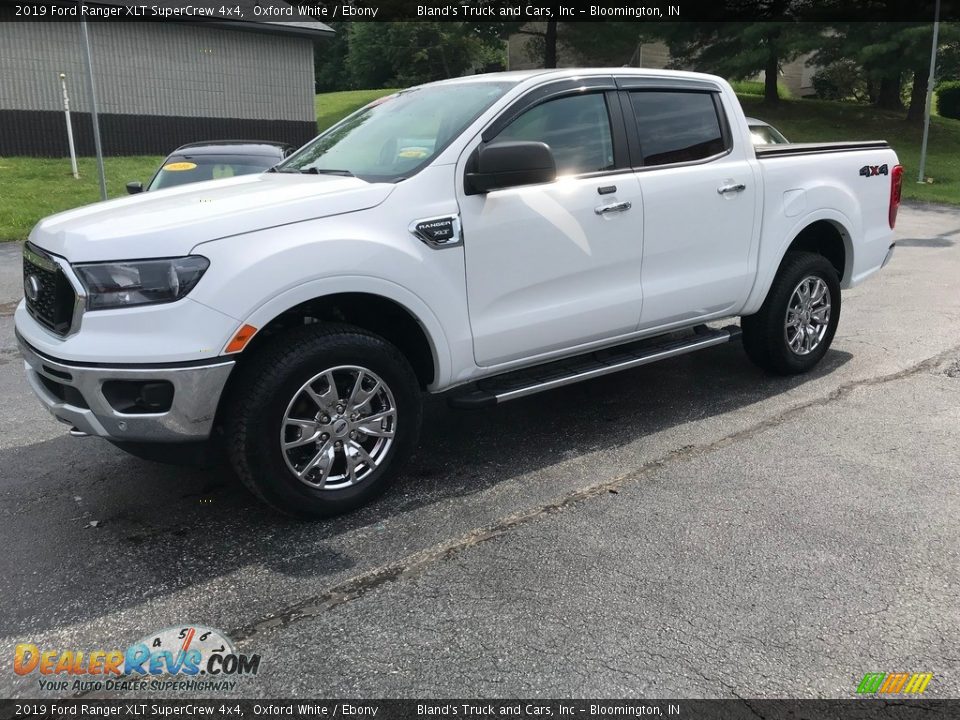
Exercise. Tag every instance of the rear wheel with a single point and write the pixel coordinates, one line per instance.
(794, 327)
(319, 423)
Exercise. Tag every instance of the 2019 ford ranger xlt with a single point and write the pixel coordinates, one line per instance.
(488, 237)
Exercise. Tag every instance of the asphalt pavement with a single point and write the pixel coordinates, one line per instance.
(693, 528)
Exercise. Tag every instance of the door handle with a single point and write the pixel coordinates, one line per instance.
(724, 189)
(613, 207)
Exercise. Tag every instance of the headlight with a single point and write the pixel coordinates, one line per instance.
(140, 282)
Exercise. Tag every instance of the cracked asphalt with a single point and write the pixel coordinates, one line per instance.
(693, 528)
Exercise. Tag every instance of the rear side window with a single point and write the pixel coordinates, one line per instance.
(576, 127)
(677, 126)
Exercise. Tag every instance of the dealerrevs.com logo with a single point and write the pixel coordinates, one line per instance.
(189, 658)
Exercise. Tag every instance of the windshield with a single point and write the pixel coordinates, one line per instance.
(393, 137)
(180, 170)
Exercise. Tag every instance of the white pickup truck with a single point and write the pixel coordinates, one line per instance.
(488, 237)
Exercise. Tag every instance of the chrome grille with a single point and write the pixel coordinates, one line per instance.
(50, 296)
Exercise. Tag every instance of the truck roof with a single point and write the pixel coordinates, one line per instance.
(233, 147)
(519, 76)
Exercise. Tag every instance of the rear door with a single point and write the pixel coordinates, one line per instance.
(700, 196)
(556, 265)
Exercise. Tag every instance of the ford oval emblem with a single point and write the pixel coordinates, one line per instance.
(31, 288)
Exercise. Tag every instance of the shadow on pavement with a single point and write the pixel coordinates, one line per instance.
(160, 528)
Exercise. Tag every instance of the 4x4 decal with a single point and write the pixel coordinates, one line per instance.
(871, 170)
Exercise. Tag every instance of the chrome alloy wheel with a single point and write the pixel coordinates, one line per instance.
(808, 315)
(338, 427)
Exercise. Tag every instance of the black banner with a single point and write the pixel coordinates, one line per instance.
(893, 708)
(291, 11)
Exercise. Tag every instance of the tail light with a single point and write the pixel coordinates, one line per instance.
(896, 180)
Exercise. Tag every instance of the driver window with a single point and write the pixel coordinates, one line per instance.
(577, 129)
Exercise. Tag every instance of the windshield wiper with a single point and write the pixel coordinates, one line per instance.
(326, 171)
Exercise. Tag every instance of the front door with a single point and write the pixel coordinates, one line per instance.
(554, 266)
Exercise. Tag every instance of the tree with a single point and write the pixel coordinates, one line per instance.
(329, 60)
(611, 43)
(917, 43)
(890, 53)
(545, 40)
(739, 50)
(408, 53)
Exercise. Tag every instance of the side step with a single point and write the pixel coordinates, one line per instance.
(520, 383)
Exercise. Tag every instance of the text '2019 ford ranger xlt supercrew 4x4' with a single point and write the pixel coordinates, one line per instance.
(490, 237)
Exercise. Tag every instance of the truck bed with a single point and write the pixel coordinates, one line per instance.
(791, 149)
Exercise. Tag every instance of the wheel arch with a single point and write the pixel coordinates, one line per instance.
(826, 233)
(375, 305)
(828, 238)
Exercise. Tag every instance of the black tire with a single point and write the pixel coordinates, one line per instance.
(764, 334)
(275, 377)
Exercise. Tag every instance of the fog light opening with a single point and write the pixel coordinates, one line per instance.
(139, 397)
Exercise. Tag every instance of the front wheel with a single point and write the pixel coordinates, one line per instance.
(794, 327)
(320, 422)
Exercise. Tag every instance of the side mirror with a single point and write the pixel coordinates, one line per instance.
(134, 187)
(509, 164)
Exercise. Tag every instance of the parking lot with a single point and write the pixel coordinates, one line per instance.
(689, 529)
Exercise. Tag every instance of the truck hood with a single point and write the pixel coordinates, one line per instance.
(168, 223)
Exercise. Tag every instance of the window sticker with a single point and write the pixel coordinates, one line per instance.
(178, 166)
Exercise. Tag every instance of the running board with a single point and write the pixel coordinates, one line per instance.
(520, 383)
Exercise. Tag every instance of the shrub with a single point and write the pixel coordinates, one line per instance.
(841, 80)
(948, 99)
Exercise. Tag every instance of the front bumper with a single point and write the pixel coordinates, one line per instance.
(74, 395)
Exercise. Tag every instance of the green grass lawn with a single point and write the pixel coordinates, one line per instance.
(32, 188)
(333, 107)
(822, 121)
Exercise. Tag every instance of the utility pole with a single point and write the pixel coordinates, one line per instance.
(91, 85)
(66, 112)
(926, 113)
